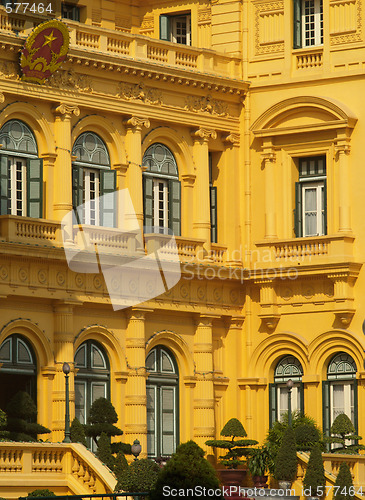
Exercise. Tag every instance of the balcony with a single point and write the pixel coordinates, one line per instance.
(85, 38)
(311, 251)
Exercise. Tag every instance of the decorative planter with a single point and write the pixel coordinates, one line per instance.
(260, 481)
(232, 478)
(284, 485)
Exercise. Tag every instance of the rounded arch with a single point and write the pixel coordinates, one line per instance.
(269, 352)
(107, 132)
(326, 345)
(288, 367)
(175, 142)
(317, 108)
(35, 120)
(36, 338)
(111, 345)
(177, 346)
(16, 136)
(160, 160)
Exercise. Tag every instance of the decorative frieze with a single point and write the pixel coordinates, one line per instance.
(139, 91)
(269, 27)
(206, 104)
(204, 16)
(345, 21)
(71, 80)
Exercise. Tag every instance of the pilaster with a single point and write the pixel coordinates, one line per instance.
(62, 187)
(342, 149)
(201, 223)
(269, 159)
(133, 141)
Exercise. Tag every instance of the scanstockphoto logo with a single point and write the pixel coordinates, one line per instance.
(131, 275)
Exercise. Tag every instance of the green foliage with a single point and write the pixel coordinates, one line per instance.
(314, 475)
(4, 434)
(21, 410)
(260, 461)
(120, 466)
(140, 475)
(104, 452)
(77, 432)
(102, 416)
(286, 459)
(342, 430)
(306, 436)
(275, 435)
(187, 468)
(344, 481)
(125, 448)
(41, 493)
(236, 448)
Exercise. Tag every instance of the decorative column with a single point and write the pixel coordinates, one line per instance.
(135, 391)
(343, 150)
(201, 224)
(64, 352)
(268, 303)
(188, 197)
(269, 158)
(232, 189)
(235, 363)
(204, 421)
(133, 142)
(62, 187)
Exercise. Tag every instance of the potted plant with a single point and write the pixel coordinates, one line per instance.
(286, 460)
(342, 432)
(236, 449)
(259, 464)
(314, 479)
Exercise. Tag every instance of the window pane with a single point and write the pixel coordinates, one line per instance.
(166, 363)
(310, 199)
(23, 354)
(80, 401)
(151, 361)
(167, 445)
(5, 350)
(80, 358)
(98, 390)
(98, 360)
(338, 401)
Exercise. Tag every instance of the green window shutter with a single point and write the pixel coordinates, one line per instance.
(325, 206)
(35, 187)
(151, 421)
(76, 13)
(167, 424)
(4, 186)
(297, 24)
(326, 408)
(301, 397)
(165, 28)
(175, 206)
(356, 419)
(272, 404)
(148, 202)
(77, 186)
(213, 214)
(108, 204)
(298, 219)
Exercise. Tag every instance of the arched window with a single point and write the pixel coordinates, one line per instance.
(162, 403)
(288, 368)
(92, 178)
(18, 370)
(21, 171)
(161, 190)
(340, 390)
(92, 378)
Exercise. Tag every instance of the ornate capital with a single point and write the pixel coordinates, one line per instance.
(269, 156)
(67, 109)
(204, 134)
(344, 148)
(188, 179)
(232, 138)
(137, 123)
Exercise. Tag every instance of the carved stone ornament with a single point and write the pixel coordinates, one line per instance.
(232, 138)
(206, 104)
(9, 70)
(204, 133)
(67, 109)
(136, 122)
(139, 92)
(71, 80)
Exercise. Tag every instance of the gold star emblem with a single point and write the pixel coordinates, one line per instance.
(49, 39)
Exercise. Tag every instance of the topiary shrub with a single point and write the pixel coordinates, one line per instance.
(104, 452)
(306, 436)
(140, 475)
(120, 466)
(314, 476)
(41, 493)
(102, 416)
(187, 468)
(77, 432)
(342, 430)
(345, 490)
(236, 448)
(21, 410)
(286, 459)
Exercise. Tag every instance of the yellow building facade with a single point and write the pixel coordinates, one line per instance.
(238, 125)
